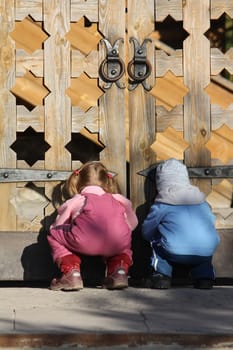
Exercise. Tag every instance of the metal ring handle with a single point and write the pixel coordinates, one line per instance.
(138, 77)
(115, 76)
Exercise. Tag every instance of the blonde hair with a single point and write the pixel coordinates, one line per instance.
(92, 173)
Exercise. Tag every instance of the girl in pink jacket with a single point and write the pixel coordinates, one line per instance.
(96, 220)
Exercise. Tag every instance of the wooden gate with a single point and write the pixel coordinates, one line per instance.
(91, 79)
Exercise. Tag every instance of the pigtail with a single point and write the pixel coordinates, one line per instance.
(71, 184)
(112, 185)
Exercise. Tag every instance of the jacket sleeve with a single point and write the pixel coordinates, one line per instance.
(67, 212)
(151, 222)
(131, 217)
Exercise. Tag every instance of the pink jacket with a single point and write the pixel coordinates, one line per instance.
(93, 223)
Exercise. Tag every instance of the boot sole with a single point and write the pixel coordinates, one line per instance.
(67, 288)
(115, 285)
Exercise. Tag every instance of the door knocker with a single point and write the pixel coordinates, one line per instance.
(112, 67)
(139, 68)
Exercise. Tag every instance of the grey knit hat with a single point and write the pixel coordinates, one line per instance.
(173, 184)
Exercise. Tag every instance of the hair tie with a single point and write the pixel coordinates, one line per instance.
(109, 175)
(76, 172)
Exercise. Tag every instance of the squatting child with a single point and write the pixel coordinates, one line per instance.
(97, 221)
(180, 228)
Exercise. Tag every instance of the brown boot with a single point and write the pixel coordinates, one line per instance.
(117, 272)
(69, 281)
(71, 278)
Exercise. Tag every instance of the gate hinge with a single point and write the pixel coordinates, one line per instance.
(197, 172)
(25, 175)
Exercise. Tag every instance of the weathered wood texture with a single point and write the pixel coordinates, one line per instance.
(196, 102)
(112, 104)
(50, 54)
(141, 103)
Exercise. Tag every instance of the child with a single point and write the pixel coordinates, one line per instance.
(96, 220)
(180, 228)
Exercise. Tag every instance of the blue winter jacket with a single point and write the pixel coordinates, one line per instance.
(182, 229)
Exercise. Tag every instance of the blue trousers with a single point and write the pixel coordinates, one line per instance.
(162, 262)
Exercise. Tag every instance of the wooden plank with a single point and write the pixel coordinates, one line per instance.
(168, 7)
(112, 103)
(25, 62)
(34, 118)
(57, 79)
(169, 62)
(167, 118)
(28, 7)
(218, 7)
(81, 63)
(80, 119)
(221, 116)
(197, 102)
(219, 61)
(141, 103)
(87, 8)
(7, 112)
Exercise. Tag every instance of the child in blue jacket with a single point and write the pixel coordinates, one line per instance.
(180, 228)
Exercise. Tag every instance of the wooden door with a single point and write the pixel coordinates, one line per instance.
(57, 111)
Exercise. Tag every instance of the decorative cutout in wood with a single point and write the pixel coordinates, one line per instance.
(82, 37)
(28, 35)
(30, 146)
(83, 149)
(169, 91)
(84, 92)
(221, 195)
(169, 144)
(172, 32)
(30, 90)
(218, 96)
(220, 144)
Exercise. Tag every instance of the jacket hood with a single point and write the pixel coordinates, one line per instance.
(173, 184)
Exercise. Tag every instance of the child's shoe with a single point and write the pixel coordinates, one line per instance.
(117, 280)
(117, 272)
(158, 281)
(203, 283)
(70, 280)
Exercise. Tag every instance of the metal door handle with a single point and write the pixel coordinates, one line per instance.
(112, 67)
(139, 68)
